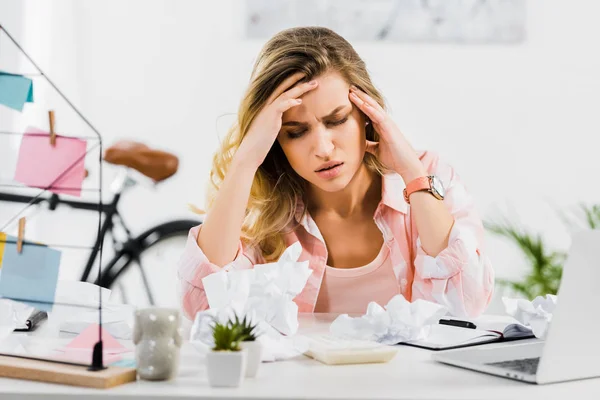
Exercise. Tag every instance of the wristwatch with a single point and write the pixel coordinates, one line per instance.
(430, 183)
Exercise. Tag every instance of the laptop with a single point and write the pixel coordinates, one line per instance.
(571, 349)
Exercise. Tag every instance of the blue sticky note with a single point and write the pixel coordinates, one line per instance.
(31, 275)
(15, 90)
(127, 363)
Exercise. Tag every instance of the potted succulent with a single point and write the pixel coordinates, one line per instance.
(226, 362)
(249, 335)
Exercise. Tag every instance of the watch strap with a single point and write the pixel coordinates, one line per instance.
(416, 185)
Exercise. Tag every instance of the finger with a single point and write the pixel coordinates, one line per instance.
(372, 147)
(285, 85)
(299, 90)
(366, 98)
(375, 116)
(285, 105)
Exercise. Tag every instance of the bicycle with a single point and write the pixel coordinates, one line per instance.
(132, 251)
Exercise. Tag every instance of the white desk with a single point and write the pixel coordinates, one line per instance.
(410, 375)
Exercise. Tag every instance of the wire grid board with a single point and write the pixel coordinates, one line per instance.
(45, 371)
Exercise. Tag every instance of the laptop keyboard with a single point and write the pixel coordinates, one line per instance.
(526, 365)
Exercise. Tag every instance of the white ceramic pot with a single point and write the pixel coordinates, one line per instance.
(254, 349)
(226, 368)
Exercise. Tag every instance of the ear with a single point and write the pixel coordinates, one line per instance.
(372, 147)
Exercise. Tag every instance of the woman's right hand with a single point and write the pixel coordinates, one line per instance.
(263, 131)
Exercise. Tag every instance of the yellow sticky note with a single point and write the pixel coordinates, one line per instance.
(2, 244)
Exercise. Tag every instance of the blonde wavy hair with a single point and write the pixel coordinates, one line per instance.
(277, 188)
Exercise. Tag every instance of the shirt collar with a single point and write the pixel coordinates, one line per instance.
(392, 195)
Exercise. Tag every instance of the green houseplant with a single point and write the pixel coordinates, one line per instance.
(546, 264)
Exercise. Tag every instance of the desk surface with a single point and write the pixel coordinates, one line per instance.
(410, 375)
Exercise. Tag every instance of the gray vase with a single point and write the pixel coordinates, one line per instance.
(157, 341)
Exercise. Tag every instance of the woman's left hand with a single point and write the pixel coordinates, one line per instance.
(392, 150)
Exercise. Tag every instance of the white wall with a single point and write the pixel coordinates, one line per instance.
(518, 122)
(47, 33)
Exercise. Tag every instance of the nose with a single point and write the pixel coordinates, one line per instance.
(324, 144)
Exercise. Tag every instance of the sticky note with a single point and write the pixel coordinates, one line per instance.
(2, 245)
(89, 337)
(15, 90)
(125, 363)
(31, 275)
(80, 349)
(60, 168)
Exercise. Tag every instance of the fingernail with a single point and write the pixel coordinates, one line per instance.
(312, 83)
(352, 87)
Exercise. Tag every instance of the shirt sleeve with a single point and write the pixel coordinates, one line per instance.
(193, 266)
(461, 276)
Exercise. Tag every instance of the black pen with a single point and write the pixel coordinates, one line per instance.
(31, 322)
(458, 323)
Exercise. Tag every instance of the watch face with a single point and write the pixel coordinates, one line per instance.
(437, 186)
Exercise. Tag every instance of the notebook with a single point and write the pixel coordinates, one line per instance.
(488, 330)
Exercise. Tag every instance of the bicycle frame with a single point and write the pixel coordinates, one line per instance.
(108, 211)
(130, 249)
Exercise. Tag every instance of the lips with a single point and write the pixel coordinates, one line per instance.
(329, 165)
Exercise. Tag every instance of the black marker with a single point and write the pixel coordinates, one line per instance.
(459, 323)
(36, 317)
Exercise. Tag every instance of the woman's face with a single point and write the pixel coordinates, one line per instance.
(325, 130)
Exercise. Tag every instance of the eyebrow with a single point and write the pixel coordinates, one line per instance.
(296, 123)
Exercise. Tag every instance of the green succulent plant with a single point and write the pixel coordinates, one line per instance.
(226, 337)
(248, 330)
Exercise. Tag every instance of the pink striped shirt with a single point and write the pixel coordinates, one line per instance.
(460, 277)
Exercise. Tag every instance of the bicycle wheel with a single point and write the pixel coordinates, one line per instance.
(144, 273)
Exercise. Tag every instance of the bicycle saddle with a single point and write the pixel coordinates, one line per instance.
(155, 164)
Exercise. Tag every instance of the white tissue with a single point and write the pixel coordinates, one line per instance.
(117, 319)
(80, 293)
(14, 313)
(264, 294)
(275, 346)
(536, 314)
(400, 321)
(8, 321)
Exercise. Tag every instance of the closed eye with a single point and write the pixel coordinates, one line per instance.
(341, 121)
(296, 135)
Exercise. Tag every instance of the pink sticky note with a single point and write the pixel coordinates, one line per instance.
(42, 165)
(85, 357)
(89, 337)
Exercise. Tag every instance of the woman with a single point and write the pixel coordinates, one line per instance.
(315, 158)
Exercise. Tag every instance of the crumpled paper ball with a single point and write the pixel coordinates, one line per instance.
(536, 314)
(400, 321)
(264, 295)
